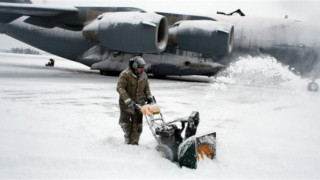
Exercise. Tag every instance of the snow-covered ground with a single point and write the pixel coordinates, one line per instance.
(62, 122)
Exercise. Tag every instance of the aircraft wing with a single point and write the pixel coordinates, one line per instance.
(35, 10)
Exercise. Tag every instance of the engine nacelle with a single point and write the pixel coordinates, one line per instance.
(203, 36)
(134, 32)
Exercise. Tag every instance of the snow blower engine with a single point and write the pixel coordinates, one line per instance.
(172, 146)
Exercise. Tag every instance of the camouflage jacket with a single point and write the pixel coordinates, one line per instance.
(131, 87)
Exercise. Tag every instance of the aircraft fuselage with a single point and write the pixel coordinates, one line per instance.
(291, 42)
(68, 35)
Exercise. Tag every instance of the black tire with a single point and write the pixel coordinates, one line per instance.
(159, 76)
(313, 86)
(165, 152)
(109, 73)
(103, 72)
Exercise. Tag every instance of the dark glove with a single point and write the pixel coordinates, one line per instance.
(150, 100)
(131, 107)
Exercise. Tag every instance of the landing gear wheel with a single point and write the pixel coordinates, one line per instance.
(103, 72)
(313, 86)
(109, 73)
(159, 76)
(165, 152)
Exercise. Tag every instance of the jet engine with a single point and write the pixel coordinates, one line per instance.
(135, 32)
(203, 36)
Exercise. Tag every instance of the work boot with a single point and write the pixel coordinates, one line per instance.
(126, 127)
(134, 143)
(126, 140)
(136, 131)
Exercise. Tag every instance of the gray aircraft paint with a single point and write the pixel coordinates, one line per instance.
(62, 35)
(58, 41)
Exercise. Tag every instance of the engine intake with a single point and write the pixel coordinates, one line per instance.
(204, 36)
(134, 32)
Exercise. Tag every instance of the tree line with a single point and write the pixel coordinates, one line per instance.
(24, 51)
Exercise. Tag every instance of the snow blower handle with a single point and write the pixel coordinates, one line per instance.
(137, 107)
(154, 99)
(151, 100)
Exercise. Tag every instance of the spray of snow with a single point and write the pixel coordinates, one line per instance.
(257, 71)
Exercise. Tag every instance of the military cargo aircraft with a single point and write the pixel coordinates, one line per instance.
(105, 38)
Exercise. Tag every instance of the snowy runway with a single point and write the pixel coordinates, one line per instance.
(62, 122)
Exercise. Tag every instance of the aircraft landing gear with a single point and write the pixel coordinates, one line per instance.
(109, 73)
(50, 63)
(313, 86)
(103, 72)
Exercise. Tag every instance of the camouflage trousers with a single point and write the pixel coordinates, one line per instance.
(131, 126)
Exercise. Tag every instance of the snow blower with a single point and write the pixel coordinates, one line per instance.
(186, 151)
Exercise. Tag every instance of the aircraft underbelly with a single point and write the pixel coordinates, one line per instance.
(161, 65)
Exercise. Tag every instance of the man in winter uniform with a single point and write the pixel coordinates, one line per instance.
(133, 88)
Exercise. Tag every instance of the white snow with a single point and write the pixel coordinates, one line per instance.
(62, 122)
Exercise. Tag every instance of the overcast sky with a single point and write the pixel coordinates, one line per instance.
(307, 10)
